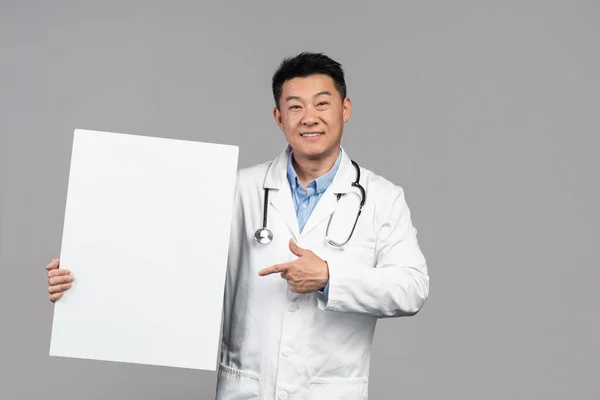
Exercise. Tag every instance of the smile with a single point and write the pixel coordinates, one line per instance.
(310, 134)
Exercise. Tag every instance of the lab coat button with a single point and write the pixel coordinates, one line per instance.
(282, 395)
(287, 351)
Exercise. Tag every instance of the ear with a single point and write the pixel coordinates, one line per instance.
(347, 109)
(277, 117)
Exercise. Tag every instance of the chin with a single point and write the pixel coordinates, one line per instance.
(313, 151)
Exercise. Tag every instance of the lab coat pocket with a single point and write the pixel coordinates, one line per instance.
(235, 384)
(338, 389)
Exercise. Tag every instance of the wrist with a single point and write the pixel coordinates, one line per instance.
(326, 279)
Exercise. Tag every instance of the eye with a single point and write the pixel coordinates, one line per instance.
(294, 107)
(322, 103)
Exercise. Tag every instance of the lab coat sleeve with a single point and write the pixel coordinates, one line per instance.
(236, 241)
(398, 285)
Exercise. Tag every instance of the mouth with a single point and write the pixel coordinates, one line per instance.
(311, 134)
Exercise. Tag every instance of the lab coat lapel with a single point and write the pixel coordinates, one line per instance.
(328, 202)
(281, 197)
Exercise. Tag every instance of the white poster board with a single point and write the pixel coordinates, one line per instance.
(146, 235)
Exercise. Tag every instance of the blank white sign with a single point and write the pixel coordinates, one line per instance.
(146, 235)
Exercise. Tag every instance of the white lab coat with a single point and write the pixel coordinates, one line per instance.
(277, 344)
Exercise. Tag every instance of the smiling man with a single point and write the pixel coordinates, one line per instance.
(320, 249)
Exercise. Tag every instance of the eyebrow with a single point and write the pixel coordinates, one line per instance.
(325, 92)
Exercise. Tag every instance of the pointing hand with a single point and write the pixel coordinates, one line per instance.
(306, 274)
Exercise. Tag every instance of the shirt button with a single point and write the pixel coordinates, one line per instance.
(304, 205)
(282, 395)
(287, 351)
(292, 307)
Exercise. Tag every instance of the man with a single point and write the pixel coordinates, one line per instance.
(309, 335)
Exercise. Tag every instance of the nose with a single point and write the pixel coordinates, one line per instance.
(310, 117)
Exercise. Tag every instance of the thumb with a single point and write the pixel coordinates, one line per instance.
(295, 249)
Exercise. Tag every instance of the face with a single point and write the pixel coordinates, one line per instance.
(312, 115)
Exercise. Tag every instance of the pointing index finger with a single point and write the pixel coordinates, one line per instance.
(274, 269)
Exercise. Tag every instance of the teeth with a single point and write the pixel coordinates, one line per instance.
(311, 134)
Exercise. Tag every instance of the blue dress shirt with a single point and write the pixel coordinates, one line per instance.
(306, 200)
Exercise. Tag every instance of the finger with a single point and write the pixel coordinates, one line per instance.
(56, 296)
(53, 264)
(59, 280)
(59, 288)
(295, 249)
(274, 269)
(58, 272)
(285, 275)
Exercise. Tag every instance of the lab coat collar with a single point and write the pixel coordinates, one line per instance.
(276, 178)
(277, 174)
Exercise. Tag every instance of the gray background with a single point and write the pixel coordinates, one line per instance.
(487, 115)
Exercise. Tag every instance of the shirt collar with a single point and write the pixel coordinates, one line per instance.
(321, 183)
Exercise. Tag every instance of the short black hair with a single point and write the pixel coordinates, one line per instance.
(306, 64)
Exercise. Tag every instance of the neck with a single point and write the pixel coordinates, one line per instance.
(310, 169)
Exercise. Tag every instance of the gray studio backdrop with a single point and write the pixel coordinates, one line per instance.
(487, 115)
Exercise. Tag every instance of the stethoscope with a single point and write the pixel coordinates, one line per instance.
(265, 236)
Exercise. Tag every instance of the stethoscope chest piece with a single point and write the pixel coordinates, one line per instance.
(263, 236)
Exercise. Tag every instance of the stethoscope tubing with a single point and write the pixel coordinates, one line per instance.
(264, 235)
